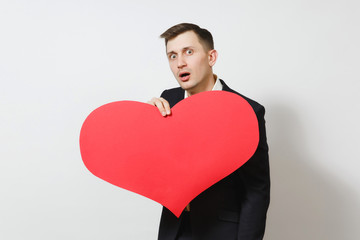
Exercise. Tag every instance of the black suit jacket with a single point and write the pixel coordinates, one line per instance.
(236, 206)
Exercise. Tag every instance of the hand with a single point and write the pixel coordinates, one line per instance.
(162, 105)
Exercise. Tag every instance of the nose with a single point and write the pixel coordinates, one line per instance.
(181, 62)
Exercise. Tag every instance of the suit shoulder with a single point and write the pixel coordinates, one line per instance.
(257, 107)
(172, 92)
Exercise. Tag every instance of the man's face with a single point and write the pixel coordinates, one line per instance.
(190, 63)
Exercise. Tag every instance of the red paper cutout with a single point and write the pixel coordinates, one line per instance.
(170, 159)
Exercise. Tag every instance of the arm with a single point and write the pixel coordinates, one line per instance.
(255, 176)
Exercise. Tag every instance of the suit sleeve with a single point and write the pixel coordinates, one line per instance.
(164, 94)
(255, 177)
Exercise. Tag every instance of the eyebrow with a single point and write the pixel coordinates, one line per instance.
(183, 49)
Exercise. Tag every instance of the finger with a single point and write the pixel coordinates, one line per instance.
(159, 104)
(166, 106)
(152, 101)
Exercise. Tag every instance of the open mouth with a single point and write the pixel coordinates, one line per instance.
(184, 76)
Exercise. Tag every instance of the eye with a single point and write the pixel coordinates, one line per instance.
(172, 56)
(189, 52)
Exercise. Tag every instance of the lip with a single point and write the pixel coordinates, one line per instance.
(184, 78)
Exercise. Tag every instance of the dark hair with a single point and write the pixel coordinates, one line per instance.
(204, 35)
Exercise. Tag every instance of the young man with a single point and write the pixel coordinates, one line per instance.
(236, 206)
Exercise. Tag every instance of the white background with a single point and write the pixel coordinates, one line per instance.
(59, 60)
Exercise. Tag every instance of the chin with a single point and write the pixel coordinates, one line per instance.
(186, 85)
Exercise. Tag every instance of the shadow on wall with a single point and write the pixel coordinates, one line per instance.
(306, 201)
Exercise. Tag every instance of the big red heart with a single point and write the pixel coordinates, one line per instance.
(170, 159)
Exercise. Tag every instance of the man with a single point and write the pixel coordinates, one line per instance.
(236, 206)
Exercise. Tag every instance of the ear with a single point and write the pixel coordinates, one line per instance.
(212, 57)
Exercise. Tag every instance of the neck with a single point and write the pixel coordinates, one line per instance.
(207, 86)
